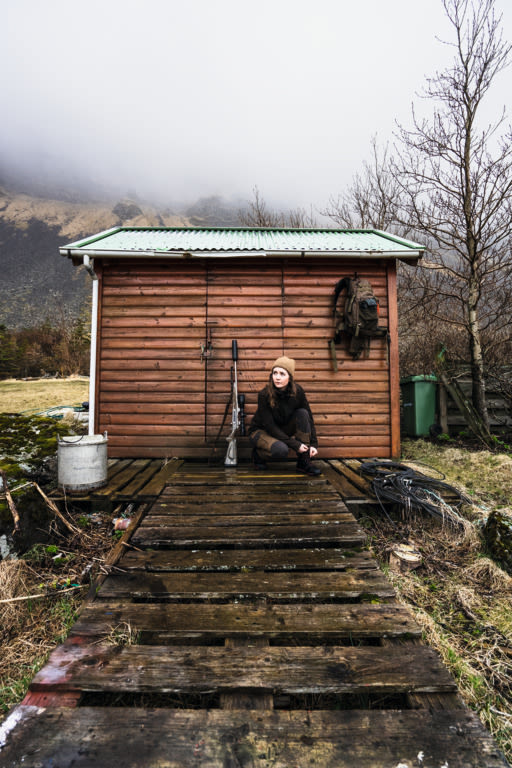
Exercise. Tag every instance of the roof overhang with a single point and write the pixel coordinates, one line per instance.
(99, 246)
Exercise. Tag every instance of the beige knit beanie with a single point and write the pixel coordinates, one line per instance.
(285, 362)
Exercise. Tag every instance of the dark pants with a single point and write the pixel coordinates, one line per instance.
(271, 448)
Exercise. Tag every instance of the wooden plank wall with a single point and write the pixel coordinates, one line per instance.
(158, 397)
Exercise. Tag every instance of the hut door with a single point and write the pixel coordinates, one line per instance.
(244, 301)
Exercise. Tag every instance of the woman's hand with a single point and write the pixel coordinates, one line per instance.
(312, 451)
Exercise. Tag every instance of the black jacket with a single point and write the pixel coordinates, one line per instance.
(272, 420)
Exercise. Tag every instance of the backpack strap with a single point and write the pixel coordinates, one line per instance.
(332, 350)
(338, 288)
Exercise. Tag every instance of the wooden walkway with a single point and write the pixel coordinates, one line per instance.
(128, 480)
(245, 627)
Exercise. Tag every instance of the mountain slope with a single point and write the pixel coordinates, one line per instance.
(37, 282)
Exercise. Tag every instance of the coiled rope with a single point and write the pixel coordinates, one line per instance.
(413, 491)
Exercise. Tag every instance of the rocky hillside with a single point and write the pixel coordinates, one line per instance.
(37, 283)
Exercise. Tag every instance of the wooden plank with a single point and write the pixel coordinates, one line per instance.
(232, 560)
(239, 698)
(139, 480)
(115, 466)
(214, 509)
(50, 698)
(240, 519)
(259, 481)
(284, 587)
(348, 533)
(354, 477)
(90, 737)
(157, 483)
(164, 622)
(288, 670)
(431, 700)
(160, 446)
(341, 482)
(121, 478)
(241, 491)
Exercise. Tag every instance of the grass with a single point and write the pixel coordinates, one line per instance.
(460, 596)
(30, 629)
(17, 396)
(484, 476)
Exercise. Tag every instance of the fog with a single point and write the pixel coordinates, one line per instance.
(175, 100)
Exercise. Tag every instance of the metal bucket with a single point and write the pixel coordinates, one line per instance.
(82, 462)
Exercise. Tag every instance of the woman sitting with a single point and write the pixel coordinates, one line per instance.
(284, 421)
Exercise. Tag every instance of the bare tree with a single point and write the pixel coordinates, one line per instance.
(258, 214)
(372, 200)
(455, 174)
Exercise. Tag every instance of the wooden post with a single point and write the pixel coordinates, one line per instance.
(443, 408)
(466, 408)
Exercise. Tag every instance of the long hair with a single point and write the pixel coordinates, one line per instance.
(290, 390)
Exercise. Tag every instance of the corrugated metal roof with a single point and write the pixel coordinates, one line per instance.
(225, 241)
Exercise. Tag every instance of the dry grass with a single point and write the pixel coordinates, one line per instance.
(469, 622)
(55, 578)
(16, 576)
(461, 598)
(484, 476)
(29, 629)
(36, 395)
(488, 575)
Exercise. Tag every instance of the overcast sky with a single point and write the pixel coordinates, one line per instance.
(184, 98)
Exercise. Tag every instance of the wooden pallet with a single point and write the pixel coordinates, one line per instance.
(129, 481)
(265, 636)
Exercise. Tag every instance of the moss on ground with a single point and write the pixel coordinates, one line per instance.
(27, 441)
(28, 452)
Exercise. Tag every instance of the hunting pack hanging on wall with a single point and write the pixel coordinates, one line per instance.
(358, 319)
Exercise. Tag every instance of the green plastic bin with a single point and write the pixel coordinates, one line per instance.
(418, 404)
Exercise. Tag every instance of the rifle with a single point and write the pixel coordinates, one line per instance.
(237, 411)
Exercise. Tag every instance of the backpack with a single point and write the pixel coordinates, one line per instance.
(359, 317)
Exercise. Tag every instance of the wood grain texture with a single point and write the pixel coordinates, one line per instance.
(91, 737)
(284, 587)
(158, 397)
(163, 622)
(286, 670)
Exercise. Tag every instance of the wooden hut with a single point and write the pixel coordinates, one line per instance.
(168, 302)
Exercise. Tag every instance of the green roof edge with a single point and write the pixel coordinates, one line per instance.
(360, 230)
(395, 238)
(94, 239)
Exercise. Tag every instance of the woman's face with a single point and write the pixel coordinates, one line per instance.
(280, 377)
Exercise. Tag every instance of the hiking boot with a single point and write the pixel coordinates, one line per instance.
(258, 462)
(305, 465)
